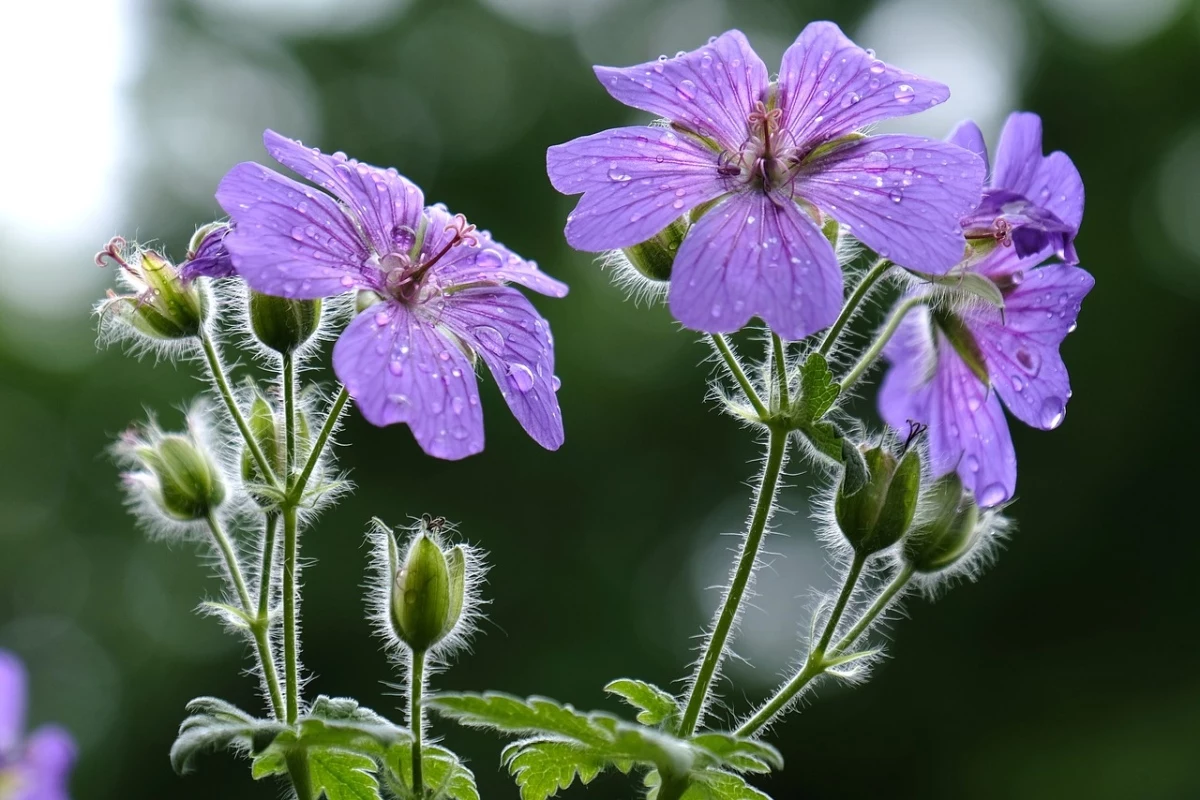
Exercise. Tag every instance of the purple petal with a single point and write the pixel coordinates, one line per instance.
(514, 341)
(902, 196)
(968, 136)
(928, 382)
(711, 90)
(487, 261)
(755, 255)
(12, 701)
(829, 86)
(1021, 347)
(386, 203)
(1019, 153)
(399, 368)
(290, 240)
(1058, 188)
(636, 181)
(211, 258)
(45, 771)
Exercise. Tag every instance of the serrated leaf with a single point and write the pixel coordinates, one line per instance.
(818, 389)
(657, 706)
(738, 753)
(342, 775)
(712, 785)
(444, 775)
(824, 437)
(542, 768)
(214, 724)
(331, 724)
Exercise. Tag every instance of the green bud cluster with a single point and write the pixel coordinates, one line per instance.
(165, 307)
(877, 497)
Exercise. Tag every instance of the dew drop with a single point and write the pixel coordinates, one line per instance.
(1031, 362)
(522, 376)
(850, 99)
(875, 162)
(904, 93)
(877, 67)
(382, 318)
(992, 495)
(1052, 413)
(396, 367)
(686, 90)
(458, 404)
(972, 463)
(490, 338)
(555, 383)
(489, 259)
(615, 174)
(1017, 383)
(895, 195)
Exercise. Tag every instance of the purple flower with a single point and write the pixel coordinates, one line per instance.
(773, 157)
(439, 286)
(207, 256)
(37, 768)
(952, 367)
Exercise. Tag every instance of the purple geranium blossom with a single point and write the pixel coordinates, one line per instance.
(951, 368)
(774, 157)
(440, 285)
(37, 768)
(210, 258)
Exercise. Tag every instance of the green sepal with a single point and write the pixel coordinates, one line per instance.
(963, 342)
(283, 324)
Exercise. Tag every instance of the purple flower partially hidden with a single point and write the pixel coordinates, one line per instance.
(1033, 202)
(774, 157)
(440, 285)
(208, 256)
(952, 367)
(36, 768)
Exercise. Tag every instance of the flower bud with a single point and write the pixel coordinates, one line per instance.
(877, 498)
(165, 307)
(654, 257)
(261, 420)
(187, 484)
(427, 593)
(948, 532)
(282, 324)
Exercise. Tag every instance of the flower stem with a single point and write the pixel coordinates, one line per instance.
(839, 608)
(262, 628)
(885, 336)
(262, 645)
(318, 448)
(221, 382)
(776, 445)
(289, 409)
(815, 665)
(416, 718)
(290, 647)
(781, 374)
(739, 374)
(297, 764)
(872, 276)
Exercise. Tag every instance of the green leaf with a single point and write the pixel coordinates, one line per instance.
(657, 706)
(342, 775)
(214, 724)
(818, 390)
(331, 724)
(738, 753)
(444, 775)
(824, 437)
(712, 785)
(542, 768)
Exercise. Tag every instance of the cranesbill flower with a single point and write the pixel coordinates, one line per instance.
(774, 157)
(207, 255)
(953, 364)
(37, 768)
(438, 288)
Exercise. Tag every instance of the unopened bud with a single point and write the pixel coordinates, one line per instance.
(949, 530)
(877, 498)
(427, 593)
(189, 485)
(165, 307)
(261, 421)
(282, 324)
(655, 257)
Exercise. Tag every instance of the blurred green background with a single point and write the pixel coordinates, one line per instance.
(1071, 670)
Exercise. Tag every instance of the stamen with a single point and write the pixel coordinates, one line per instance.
(112, 252)
(915, 431)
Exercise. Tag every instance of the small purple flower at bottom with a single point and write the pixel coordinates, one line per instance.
(440, 285)
(36, 768)
(951, 367)
(774, 159)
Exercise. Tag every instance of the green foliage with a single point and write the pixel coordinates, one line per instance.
(214, 724)
(442, 771)
(657, 707)
(568, 745)
(818, 390)
(710, 785)
(342, 775)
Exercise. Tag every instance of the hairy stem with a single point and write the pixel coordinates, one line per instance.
(221, 382)
(872, 276)
(739, 374)
(816, 664)
(262, 628)
(318, 447)
(781, 374)
(839, 607)
(416, 717)
(884, 337)
(776, 445)
(291, 660)
(231, 560)
(289, 409)
(297, 764)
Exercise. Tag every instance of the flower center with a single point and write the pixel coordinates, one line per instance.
(768, 156)
(412, 283)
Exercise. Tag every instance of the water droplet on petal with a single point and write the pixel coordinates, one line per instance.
(490, 338)
(850, 99)
(556, 383)
(382, 318)
(895, 195)
(347, 281)
(1052, 413)
(396, 367)
(616, 174)
(992, 495)
(522, 376)
(1029, 360)
(489, 259)
(686, 90)
(904, 94)
(877, 67)
(875, 161)
(972, 463)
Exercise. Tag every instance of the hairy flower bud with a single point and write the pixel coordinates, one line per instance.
(654, 258)
(877, 498)
(261, 420)
(282, 324)
(948, 532)
(187, 485)
(427, 593)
